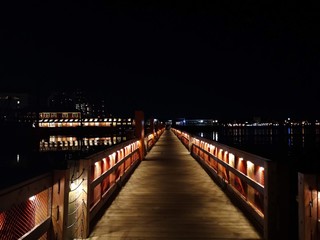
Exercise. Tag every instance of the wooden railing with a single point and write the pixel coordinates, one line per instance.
(64, 204)
(94, 181)
(245, 177)
(25, 209)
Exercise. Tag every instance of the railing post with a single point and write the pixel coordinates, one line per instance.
(152, 128)
(84, 165)
(139, 131)
(190, 144)
(60, 192)
(270, 201)
(78, 199)
(308, 206)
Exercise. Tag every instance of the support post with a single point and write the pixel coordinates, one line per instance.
(308, 206)
(60, 191)
(271, 223)
(152, 128)
(139, 131)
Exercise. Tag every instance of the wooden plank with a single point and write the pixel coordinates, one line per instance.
(170, 196)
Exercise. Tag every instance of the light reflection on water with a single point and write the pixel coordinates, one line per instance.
(24, 155)
(23, 148)
(263, 136)
(73, 143)
(270, 142)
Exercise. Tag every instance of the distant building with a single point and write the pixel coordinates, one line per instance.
(59, 119)
(196, 122)
(17, 107)
(99, 109)
(61, 100)
(77, 100)
(74, 119)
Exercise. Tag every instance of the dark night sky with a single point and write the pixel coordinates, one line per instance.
(227, 59)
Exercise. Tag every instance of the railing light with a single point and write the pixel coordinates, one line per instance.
(32, 198)
(73, 185)
(250, 165)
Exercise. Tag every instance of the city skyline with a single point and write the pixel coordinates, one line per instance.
(95, 107)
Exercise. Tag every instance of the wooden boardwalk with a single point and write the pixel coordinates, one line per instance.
(170, 196)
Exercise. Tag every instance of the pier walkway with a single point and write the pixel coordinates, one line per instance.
(170, 196)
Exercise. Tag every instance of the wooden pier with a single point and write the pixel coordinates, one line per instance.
(170, 196)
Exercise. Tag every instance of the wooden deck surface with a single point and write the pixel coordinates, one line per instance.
(170, 196)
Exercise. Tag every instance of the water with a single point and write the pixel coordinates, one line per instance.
(27, 152)
(298, 145)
